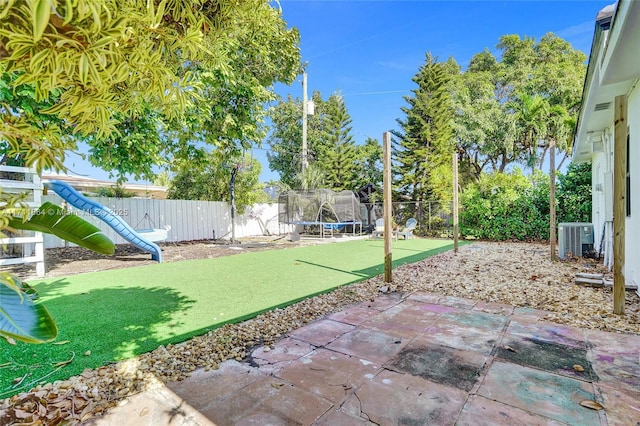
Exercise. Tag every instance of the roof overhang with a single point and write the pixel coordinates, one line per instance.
(614, 66)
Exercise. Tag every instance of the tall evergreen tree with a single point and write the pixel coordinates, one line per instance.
(338, 163)
(337, 150)
(423, 146)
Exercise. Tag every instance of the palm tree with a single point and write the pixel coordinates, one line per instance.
(531, 118)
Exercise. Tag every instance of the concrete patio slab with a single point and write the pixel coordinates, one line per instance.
(450, 335)
(355, 315)
(369, 345)
(401, 399)
(622, 407)
(153, 407)
(551, 357)
(406, 320)
(545, 394)
(440, 364)
(330, 374)
(481, 411)
(548, 332)
(268, 401)
(321, 332)
(411, 359)
(474, 321)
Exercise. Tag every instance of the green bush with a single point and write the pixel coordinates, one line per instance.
(574, 194)
(506, 206)
(511, 206)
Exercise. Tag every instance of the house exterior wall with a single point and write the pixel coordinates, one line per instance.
(602, 192)
(632, 261)
(602, 195)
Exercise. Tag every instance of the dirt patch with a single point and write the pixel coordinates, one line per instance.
(67, 261)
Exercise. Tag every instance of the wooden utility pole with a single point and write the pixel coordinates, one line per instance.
(455, 203)
(552, 199)
(305, 101)
(619, 201)
(388, 225)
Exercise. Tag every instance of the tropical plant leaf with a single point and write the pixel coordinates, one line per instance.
(41, 11)
(21, 318)
(53, 219)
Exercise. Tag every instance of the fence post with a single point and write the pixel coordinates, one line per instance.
(388, 226)
(455, 203)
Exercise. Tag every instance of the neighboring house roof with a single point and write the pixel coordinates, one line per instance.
(85, 184)
(614, 67)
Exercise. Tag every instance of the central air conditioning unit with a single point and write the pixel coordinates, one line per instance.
(575, 239)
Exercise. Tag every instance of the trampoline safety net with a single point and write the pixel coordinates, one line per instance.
(318, 206)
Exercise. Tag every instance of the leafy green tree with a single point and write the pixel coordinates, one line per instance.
(423, 146)
(210, 180)
(574, 194)
(368, 164)
(285, 139)
(531, 121)
(499, 102)
(115, 191)
(106, 65)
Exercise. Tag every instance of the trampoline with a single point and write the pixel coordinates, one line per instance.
(321, 211)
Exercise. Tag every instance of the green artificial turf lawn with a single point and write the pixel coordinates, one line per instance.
(120, 313)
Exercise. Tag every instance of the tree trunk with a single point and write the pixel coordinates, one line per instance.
(564, 157)
(544, 154)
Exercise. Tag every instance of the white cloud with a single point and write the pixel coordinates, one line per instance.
(576, 31)
(397, 65)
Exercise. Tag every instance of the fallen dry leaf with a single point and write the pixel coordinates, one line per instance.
(578, 368)
(63, 363)
(594, 405)
(62, 342)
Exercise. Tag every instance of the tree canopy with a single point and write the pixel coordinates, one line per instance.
(210, 180)
(509, 108)
(336, 161)
(140, 81)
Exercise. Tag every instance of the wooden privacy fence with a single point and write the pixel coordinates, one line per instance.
(27, 246)
(186, 220)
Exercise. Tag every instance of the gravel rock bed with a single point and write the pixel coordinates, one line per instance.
(518, 274)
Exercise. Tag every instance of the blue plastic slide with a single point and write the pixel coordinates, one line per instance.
(105, 214)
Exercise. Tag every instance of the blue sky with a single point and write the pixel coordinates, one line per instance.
(369, 50)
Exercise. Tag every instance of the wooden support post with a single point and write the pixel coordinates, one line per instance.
(619, 202)
(552, 200)
(388, 225)
(455, 203)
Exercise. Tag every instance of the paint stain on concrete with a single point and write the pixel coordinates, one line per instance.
(438, 364)
(547, 356)
(605, 358)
